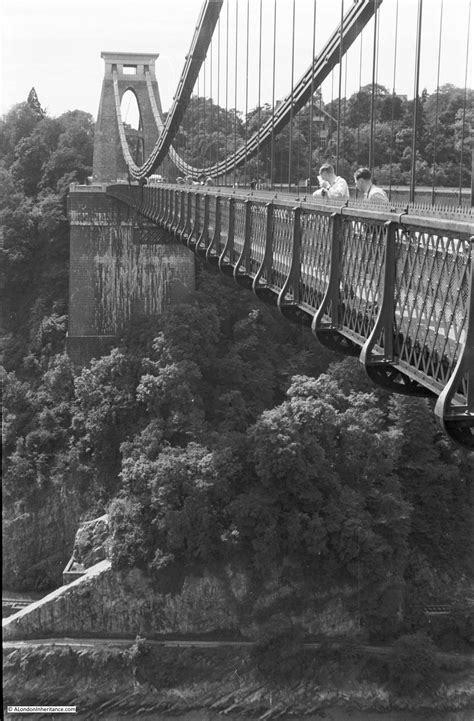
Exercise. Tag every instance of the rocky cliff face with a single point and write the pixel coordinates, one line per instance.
(37, 541)
(91, 545)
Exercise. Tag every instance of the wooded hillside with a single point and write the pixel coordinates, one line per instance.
(217, 431)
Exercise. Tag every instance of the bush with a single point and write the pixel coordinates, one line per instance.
(455, 631)
(128, 542)
(279, 654)
(413, 665)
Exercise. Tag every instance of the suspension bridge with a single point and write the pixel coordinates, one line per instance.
(390, 282)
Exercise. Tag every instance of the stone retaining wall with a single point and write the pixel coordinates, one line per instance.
(106, 602)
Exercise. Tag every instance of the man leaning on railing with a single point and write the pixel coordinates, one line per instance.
(332, 185)
(364, 185)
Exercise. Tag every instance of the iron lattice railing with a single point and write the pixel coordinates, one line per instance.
(395, 288)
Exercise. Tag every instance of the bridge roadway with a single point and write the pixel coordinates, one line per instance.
(390, 284)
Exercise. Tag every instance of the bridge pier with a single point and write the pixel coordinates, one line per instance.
(121, 267)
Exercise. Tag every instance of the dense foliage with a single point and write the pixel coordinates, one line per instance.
(39, 157)
(210, 133)
(442, 135)
(414, 665)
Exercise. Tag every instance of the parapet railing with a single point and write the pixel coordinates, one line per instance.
(394, 288)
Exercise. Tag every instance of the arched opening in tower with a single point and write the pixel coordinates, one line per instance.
(132, 123)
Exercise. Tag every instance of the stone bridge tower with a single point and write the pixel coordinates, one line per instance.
(121, 266)
(108, 164)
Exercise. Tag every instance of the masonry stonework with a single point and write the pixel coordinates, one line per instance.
(120, 268)
(130, 68)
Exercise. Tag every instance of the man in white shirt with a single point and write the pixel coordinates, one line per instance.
(363, 181)
(332, 185)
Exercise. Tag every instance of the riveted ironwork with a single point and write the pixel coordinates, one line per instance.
(203, 239)
(288, 298)
(169, 217)
(378, 355)
(187, 218)
(241, 266)
(224, 206)
(194, 212)
(315, 256)
(174, 203)
(240, 210)
(395, 288)
(163, 209)
(165, 216)
(212, 252)
(225, 264)
(263, 253)
(431, 302)
(155, 202)
(455, 406)
(168, 202)
(361, 264)
(327, 321)
(153, 199)
(378, 348)
(152, 195)
(177, 213)
(149, 204)
(182, 214)
(259, 222)
(327, 315)
(211, 222)
(289, 292)
(283, 237)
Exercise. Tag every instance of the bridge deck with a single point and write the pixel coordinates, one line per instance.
(377, 281)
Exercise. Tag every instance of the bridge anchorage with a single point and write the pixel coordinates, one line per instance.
(391, 283)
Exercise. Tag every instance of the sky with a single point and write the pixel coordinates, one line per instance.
(55, 46)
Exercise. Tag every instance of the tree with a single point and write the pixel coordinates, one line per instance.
(72, 157)
(18, 123)
(318, 489)
(172, 509)
(171, 397)
(41, 156)
(413, 666)
(34, 103)
(436, 480)
(208, 133)
(105, 414)
(32, 153)
(442, 109)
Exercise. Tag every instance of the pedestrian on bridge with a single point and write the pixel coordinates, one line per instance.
(332, 185)
(363, 181)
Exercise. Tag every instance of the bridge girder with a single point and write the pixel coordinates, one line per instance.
(397, 291)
